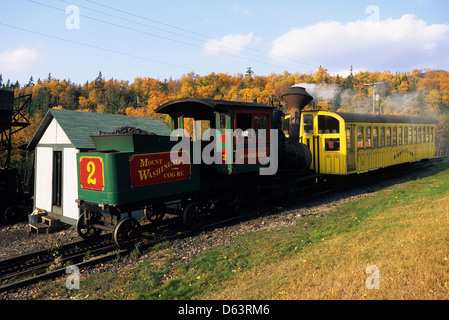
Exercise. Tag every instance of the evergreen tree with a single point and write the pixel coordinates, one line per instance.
(31, 82)
(249, 72)
(348, 83)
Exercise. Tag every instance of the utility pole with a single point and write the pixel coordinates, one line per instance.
(376, 96)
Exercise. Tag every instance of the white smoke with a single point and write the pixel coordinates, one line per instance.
(320, 92)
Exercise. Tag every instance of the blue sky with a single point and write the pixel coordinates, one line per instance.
(75, 39)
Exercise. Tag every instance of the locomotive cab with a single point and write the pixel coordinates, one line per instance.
(241, 142)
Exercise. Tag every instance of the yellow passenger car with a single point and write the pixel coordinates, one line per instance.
(345, 143)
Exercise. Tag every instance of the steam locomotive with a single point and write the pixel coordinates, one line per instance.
(235, 152)
(223, 154)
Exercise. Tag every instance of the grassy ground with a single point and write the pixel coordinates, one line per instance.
(401, 232)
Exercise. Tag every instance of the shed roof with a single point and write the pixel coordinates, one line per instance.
(79, 126)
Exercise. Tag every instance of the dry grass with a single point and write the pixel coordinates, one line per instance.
(409, 244)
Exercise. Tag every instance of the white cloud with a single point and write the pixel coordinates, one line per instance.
(231, 44)
(396, 44)
(18, 59)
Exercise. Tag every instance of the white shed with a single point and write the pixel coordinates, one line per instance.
(60, 136)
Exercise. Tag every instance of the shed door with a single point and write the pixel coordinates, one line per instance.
(350, 147)
(57, 182)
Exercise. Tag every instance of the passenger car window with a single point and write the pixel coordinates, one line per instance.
(328, 124)
(382, 137)
(332, 144)
(368, 137)
(307, 120)
(394, 137)
(375, 138)
(348, 138)
(388, 131)
(360, 137)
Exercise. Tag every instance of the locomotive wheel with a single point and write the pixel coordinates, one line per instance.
(192, 216)
(85, 230)
(154, 215)
(240, 203)
(127, 233)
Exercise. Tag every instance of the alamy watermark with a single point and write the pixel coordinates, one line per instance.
(73, 20)
(73, 280)
(374, 13)
(251, 147)
(373, 280)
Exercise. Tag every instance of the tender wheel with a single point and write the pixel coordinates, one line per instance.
(86, 230)
(127, 233)
(14, 214)
(154, 215)
(192, 216)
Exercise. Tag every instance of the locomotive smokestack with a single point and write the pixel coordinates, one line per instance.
(296, 98)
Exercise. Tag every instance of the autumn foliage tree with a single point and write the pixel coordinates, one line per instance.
(415, 93)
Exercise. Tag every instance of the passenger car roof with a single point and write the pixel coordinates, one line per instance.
(381, 118)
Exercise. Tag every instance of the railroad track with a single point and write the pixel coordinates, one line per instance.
(33, 267)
